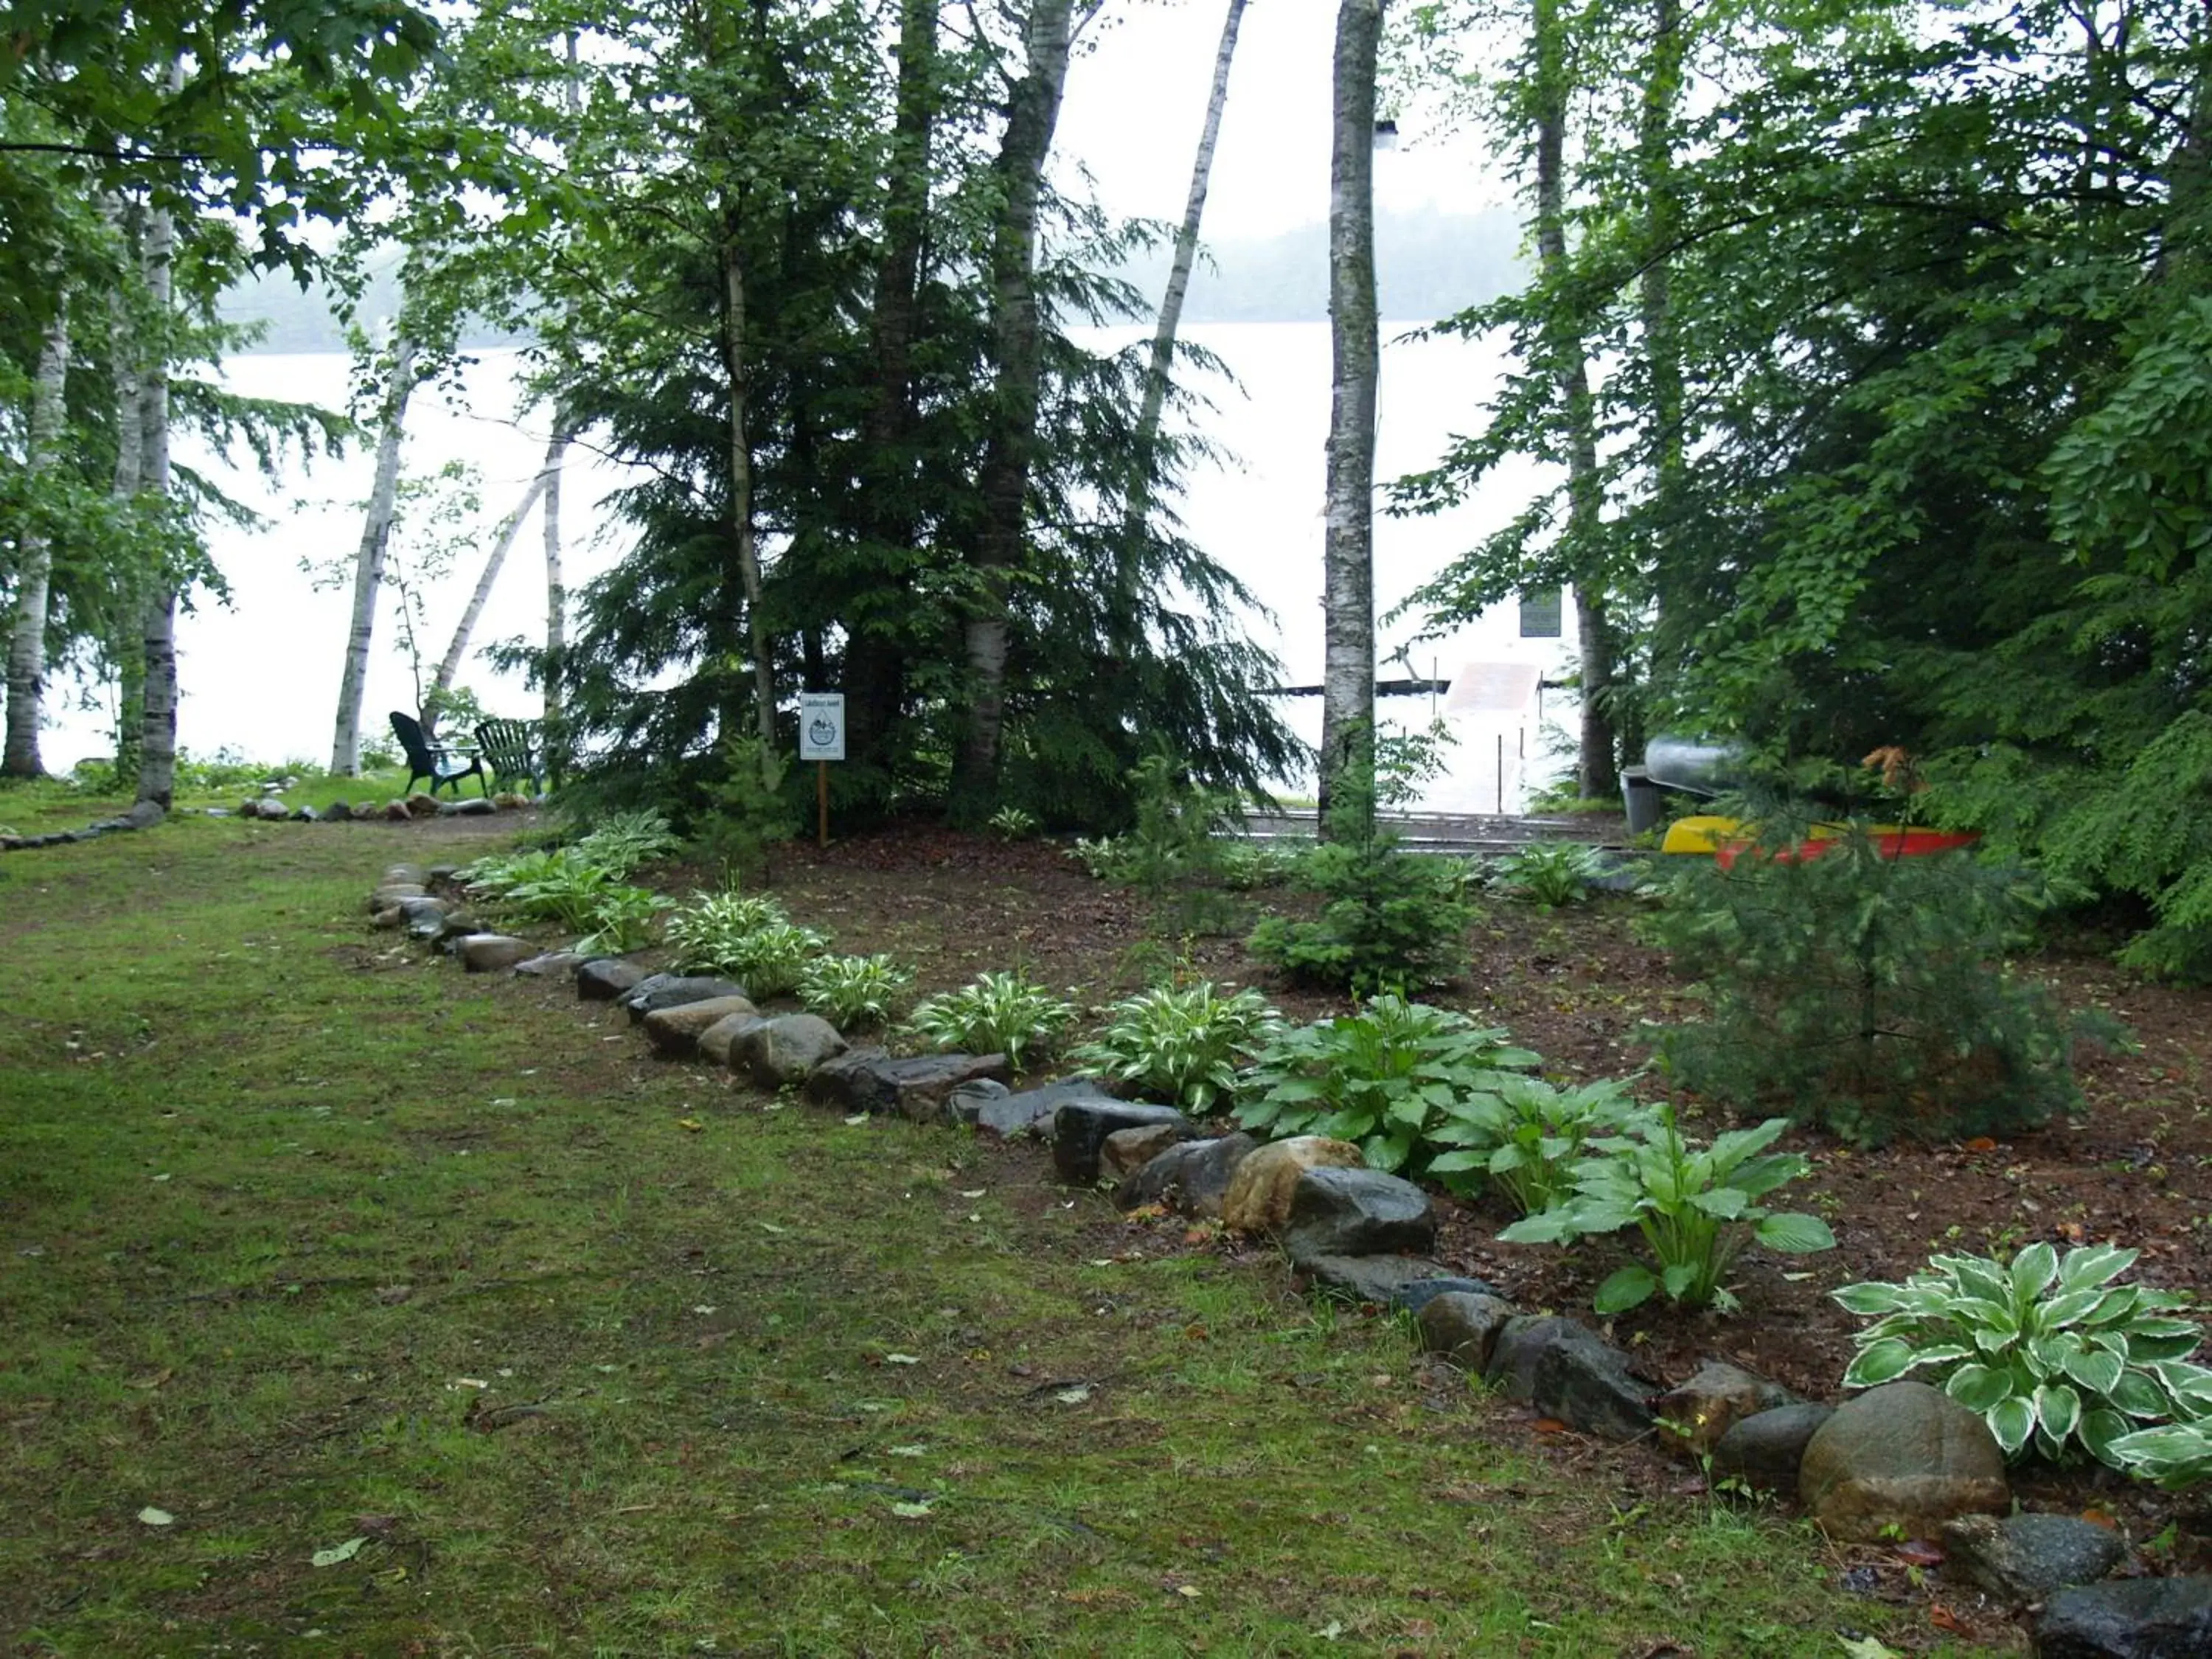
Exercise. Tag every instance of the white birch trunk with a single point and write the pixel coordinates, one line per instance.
(26, 654)
(510, 531)
(557, 596)
(368, 562)
(157, 741)
(128, 647)
(1186, 254)
(741, 489)
(1347, 736)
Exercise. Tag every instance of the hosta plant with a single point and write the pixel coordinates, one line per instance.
(2048, 1350)
(708, 932)
(772, 961)
(2171, 1454)
(620, 842)
(1549, 873)
(622, 921)
(853, 991)
(998, 1014)
(1696, 1208)
(1012, 823)
(1383, 1077)
(1179, 1043)
(1524, 1136)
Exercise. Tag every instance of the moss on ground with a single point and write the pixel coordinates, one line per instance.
(304, 1239)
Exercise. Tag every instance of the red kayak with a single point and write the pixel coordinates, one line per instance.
(1889, 842)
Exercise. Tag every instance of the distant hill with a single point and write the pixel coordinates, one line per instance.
(1427, 266)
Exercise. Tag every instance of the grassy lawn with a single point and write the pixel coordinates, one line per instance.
(314, 1245)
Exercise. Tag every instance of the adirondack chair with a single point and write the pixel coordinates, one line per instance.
(511, 746)
(441, 762)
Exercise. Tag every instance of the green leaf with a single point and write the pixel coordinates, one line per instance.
(1979, 1388)
(1623, 1290)
(1873, 1297)
(2098, 1429)
(2095, 1265)
(1725, 1203)
(2033, 1270)
(336, 1554)
(1880, 1361)
(2095, 1368)
(1795, 1233)
(2057, 1409)
(2011, 1420)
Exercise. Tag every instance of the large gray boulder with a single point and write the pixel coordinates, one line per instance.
(1717, 1396)
(1190, 1179)
(1381, 1279)
(1080, 1128)
(1569, 1372)
(660, 991)
(1903, 1458)
(718, 1043)
(1463, 1327)
(869, 1080)
(604, 979)
(990, 1105)
(1343, 1211)
(777, 1053)
(488, 953)
(2132, 1619)
(674, 1030)
(1127, 1151)
(552, 964)
(1764, 1451)
(2030, 1557)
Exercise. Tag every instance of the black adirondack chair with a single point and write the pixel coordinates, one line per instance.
(441, 762)
(512, 746)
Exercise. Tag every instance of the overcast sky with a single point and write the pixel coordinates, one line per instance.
(1136, 98)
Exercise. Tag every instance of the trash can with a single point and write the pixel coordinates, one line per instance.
(1641, 797)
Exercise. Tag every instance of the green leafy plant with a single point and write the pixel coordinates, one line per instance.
(1182, 1043)
(1696, 1207)
(1385, 1076)
(2174, 1455)
(1246, 864)
(622, 841)
(855, 991)
(1012, 823)
(2050, 1352)
(1389, 919)
(772, 961)
(748, 809)
(1002, 1013)
(708, 933)
(1549, 873)
(561, 886)
(1102, 859)
(622, 921)
(1867, 993)
(1524, 1136)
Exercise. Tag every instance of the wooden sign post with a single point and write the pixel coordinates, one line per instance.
(821, 739)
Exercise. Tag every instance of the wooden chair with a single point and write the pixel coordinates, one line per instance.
(441, 762)
(512, 747)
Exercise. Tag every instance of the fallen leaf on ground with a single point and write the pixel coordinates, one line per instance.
(911, 1511)
(337, 1553)
(1074, 1396)
(154, 1517)
(691, 1123)
(901, 1359)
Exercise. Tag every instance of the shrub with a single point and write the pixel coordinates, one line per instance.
(2050, 1352)
(771, 962)
(1182, 1043)
(1245, 865)
(1549, 873)
(1696, 1208)
(999, 1013)
(1865, 993)
(748, 809)
(1524, 1136)
(854, 991)
(1390, 921)
(1384, 1077)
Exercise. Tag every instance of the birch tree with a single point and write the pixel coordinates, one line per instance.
(1033, 113)
(157, 740)
(368, 560)
(26, 654)
(1347, 738)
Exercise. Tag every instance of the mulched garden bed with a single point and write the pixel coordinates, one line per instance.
(1576, 985)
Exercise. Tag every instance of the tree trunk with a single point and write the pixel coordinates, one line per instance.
(875, 668)
(27, 655)
(127, 644)
(741, 488)
(449, 665)
(1033, 113)
(157, 743)
(1163, 337)
(1347, 735)
(1663, 350)
(368, 561)
(1597, 770)
(556, 603)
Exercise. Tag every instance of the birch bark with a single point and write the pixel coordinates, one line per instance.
(1347, 738)
(368, 560)
(510, 531)
(26, 652)
(157, 741)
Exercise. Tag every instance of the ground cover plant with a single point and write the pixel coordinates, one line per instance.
(430, 1321)
(1182, 1044)
(997, 1013)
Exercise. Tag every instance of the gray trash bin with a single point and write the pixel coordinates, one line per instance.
(1643, 798)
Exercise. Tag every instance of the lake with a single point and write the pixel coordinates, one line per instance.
(259, 674)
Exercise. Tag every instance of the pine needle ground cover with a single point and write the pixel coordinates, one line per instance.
(353, 1302)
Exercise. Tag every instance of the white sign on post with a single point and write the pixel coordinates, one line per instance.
(821, 726)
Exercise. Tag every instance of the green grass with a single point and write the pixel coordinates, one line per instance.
(304, 1238)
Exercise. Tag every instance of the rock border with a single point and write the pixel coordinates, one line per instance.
(1900, 1461)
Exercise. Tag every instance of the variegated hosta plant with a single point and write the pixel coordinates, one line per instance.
(2051, 1351)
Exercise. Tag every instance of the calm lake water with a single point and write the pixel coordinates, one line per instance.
(260, 672)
